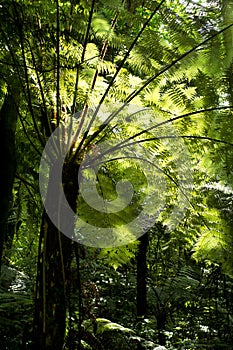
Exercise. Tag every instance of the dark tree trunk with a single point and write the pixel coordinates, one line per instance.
(161, 325)
(141, 276)
(8, 119)
(54, 274)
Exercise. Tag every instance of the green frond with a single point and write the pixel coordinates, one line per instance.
(140, 62)
(101, 27)
(106, 68)
(119, 256)
(91, 54)
(178, 94)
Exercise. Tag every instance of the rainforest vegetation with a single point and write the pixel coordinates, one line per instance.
(106, 94)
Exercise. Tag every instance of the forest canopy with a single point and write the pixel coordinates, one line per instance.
(116, 182)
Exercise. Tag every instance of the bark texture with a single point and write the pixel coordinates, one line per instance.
(54, 273)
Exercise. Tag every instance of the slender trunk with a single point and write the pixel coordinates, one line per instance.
(8, 119)
(161, 326)
(141, 276)
(54, 274)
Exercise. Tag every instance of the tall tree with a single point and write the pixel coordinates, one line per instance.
(8, 120)
(142, 276)
(80, 57)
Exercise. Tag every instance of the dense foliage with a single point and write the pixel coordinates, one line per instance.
(152, 80)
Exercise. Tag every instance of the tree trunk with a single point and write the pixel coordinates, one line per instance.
(141, 276)
(161, 325)
(8, 119)
(54, 274)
